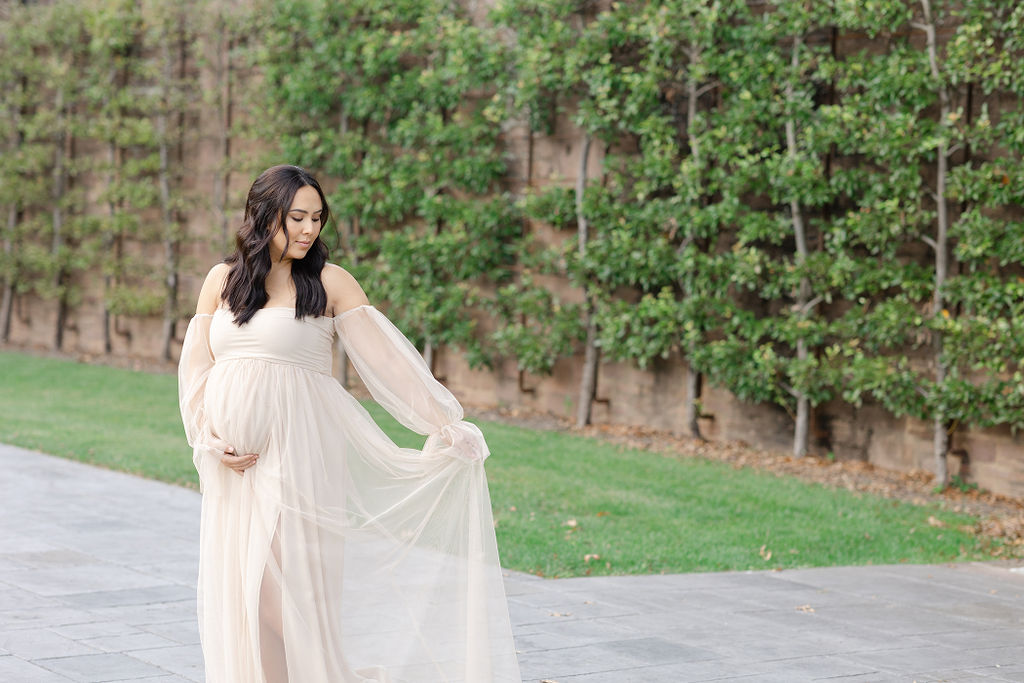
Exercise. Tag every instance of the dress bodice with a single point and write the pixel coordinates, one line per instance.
(274, 334)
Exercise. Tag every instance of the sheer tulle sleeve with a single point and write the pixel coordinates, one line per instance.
(193, 369)
(399, 380)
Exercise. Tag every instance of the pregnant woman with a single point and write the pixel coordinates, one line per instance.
(327, 553)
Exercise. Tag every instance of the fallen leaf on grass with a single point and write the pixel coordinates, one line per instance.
(591, 556)
(765, 553)
(932, 521)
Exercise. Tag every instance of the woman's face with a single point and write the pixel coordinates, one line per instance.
(302, 223)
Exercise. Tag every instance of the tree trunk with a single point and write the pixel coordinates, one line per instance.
(346, 229)
(941, 432)
(940, 441)
(591, 356)
(170, 279)
(109, 278)
(693, 378)
(693, 384)
(108, 243)
(803, 411)
(350, 231)
(803, 406)
(588, 383)
(57, 216)
(168, 214)
(223, 182)
(428, 355)
(7, 307)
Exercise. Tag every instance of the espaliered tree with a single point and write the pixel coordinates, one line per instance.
(220, 55)
(59, 36)
(599, 70)
(939, 240)
(134, 107)
(984, 294)
(558, 58)
(536, 326)
(24, 162)
(917, 128)
(391, 104)
(119, 124)
(592, 61)
(171, 34)
(662, 210)
(769, 345)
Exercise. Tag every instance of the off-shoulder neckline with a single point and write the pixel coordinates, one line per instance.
(289, 308)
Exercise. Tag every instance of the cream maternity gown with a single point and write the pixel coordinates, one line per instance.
(339, 556)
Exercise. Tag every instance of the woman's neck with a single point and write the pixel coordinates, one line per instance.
(280, 269)
(280, 276)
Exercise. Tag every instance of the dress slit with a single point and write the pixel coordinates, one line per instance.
(272, 659)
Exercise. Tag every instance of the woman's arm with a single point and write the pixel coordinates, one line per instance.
(398, 378)
(193, 368)
(213, 287)
(343, 292)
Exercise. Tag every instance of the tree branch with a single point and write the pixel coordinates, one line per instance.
(684, 244)
(704, 89)
(807, 307)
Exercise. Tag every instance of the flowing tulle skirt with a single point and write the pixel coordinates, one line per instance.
(339, 556)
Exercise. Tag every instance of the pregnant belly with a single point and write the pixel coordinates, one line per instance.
(239, 404)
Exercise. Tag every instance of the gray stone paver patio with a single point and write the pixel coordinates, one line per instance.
(97, 579)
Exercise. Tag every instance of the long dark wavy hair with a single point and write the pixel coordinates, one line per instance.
(270, 197)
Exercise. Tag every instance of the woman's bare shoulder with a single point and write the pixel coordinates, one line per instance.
(343, 291)
(213, 286)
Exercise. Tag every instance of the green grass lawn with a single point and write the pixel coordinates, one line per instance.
(564, 505)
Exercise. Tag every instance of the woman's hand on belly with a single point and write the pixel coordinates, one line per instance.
(239, 463)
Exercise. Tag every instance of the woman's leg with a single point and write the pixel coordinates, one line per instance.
(272, 653)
